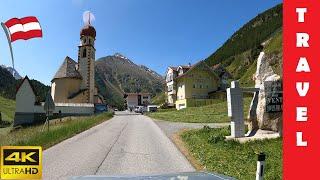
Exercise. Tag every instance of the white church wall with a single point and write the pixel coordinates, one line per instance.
(69, 108)
(25, 98)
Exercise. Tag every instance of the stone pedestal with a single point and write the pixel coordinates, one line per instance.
(235, 109)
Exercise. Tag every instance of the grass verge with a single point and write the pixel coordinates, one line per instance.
(7, 108)
(232, 158)
(181, 145)
(214, 113)
(32, 136)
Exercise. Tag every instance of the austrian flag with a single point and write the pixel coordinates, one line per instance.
(24, 28)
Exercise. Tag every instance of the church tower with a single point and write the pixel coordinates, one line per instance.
(86, 58)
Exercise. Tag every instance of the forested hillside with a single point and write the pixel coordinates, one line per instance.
(8, 86)
(117, 75)
(239, 53)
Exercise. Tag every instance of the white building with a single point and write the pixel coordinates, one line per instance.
(171, 93)
(137, 99)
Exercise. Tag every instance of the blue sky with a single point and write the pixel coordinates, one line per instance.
(156, 33)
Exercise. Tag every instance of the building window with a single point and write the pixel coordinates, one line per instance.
(84, 53)
(194, 86)
(200, 86)
(169, 77)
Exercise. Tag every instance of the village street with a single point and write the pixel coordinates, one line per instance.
(127, 144)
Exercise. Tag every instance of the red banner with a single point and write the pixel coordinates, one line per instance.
(301, 75)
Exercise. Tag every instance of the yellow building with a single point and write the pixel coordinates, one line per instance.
(193, 85)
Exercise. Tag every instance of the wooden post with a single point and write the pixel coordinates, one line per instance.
(60, 116)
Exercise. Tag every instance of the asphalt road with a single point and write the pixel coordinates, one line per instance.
(127, 144)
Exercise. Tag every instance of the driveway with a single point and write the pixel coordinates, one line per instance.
(128, 144)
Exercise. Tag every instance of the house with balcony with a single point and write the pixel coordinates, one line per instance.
(189, 86)
(171, 74)
(195, 84)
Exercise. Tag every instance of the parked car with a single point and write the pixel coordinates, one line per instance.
(99, 108)
(140, 109)
(152, 108)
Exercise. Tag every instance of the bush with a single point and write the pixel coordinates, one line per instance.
(214, 139)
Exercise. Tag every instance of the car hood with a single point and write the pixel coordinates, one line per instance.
(173, 176)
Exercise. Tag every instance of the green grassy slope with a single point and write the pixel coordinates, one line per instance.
(7, 109)
(273, 50)
(274, 45)
(215, 113)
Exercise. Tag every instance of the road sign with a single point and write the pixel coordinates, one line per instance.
(49, 105)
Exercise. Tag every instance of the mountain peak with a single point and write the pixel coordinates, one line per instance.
(117, 74)
(12, 71)
(120, 56)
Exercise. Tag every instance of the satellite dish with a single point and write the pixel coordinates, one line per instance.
(88, 17)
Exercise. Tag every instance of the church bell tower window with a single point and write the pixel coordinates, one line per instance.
(84, 53)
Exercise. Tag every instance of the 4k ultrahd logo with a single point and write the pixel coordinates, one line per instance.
(21, 162)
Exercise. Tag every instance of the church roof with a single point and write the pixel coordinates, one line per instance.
(189, 69)
(26, 78)
(67, 70)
